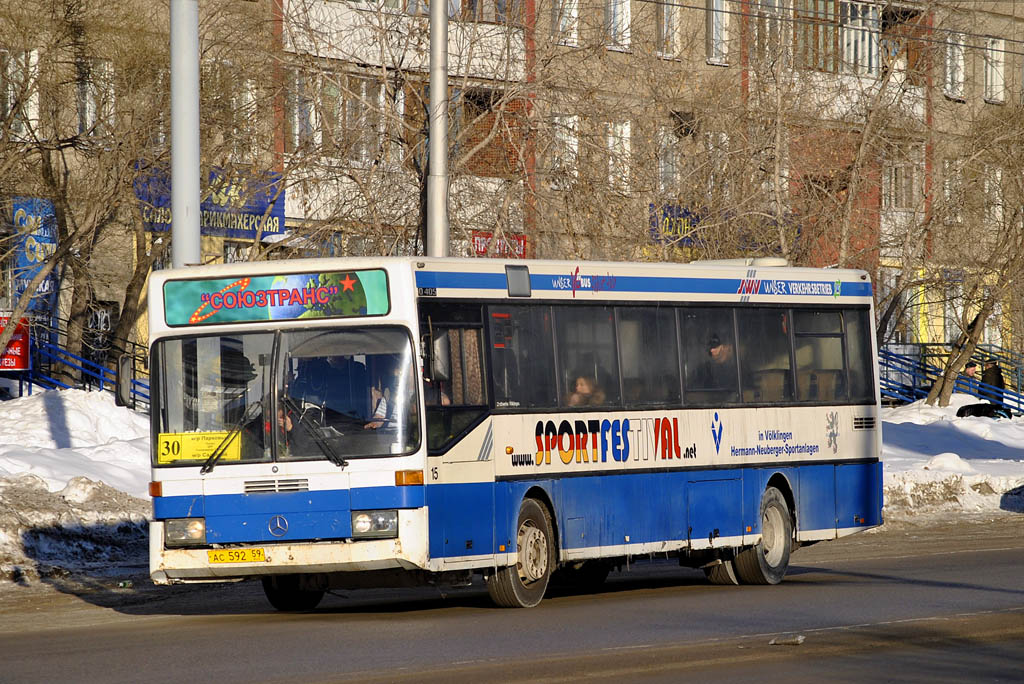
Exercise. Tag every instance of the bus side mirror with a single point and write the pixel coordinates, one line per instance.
(123, 391)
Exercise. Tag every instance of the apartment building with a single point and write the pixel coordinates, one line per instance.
(849, 132)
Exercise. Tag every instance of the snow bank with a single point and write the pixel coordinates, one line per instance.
(935, 462)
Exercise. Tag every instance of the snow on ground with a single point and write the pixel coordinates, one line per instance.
(74, 472)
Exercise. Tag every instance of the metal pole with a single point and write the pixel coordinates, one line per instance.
(185, 133)
(437, 175)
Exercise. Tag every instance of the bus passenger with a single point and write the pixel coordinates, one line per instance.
(379, 399)
(721, 370)
(586, 392)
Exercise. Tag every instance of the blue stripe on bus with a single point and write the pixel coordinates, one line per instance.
(470, 519)
(233, 518)
(645, 284)
(593, 511)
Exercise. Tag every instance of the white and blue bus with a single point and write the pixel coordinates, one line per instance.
(344, 423)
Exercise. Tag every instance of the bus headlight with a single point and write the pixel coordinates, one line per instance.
(184, 532)
(374, 524)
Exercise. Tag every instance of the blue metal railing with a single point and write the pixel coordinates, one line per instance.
(91, 374)
(908, 377)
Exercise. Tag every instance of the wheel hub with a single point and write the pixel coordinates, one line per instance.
(771, 532)
(533, 557)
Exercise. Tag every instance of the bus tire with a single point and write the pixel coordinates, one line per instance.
(722, 573)
(767, 561)
(285, 594)
(523, 585)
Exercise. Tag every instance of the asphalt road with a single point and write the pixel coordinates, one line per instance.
(941, 602)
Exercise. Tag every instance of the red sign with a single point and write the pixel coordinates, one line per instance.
(15, 357)
(511, 245)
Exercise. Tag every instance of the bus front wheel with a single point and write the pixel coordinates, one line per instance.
(286, 594)
(523, 585)
(768, 560)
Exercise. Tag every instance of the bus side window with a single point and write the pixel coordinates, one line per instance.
(522, 356)
(858, 332)
(650, 358)
(765, 361)
(708, 342)
(587, 350)
(820, 370)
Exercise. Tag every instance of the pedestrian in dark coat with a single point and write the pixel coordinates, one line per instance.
(992, 375)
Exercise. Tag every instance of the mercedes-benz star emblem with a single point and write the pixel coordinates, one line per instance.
(278, 525)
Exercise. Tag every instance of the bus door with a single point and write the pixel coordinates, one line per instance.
(459, 436)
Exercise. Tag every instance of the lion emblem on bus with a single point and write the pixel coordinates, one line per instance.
(832, 430)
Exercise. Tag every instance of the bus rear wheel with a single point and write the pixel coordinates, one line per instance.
(523, 585)
(286, 594)
(767, 561)
(722, 573)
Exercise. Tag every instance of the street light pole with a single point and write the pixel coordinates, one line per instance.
(437, 155)
(185, 133)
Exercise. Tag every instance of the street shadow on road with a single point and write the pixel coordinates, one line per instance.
(855, 577)
(107, 566)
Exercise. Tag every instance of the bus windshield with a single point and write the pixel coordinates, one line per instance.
(329, 393)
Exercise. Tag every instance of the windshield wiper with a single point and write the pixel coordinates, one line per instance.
(313, 431)
(235, 429)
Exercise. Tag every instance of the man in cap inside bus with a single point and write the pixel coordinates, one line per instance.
(723, 362)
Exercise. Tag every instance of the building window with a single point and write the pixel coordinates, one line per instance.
(667, 28)
(814, 34)
(992, 188)
(995, 60)
(245, 119)
(669, 161)
(766, 31)
(231, 100)
(901, 179)
(351, 112)
(954, 80)
(618, 147)
(953, 306)
(19, 95)
(837, 37)
(565, 21)
(716, 26)
(564, 156)
(236, 251)
(95, 96)
(616, 23)
(301, 126)
(490, 11)
(716, 147)
(953, 190)
(859, 29)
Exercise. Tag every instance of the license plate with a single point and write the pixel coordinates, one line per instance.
(237, 556)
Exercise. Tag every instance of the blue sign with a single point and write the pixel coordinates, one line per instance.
(233, 206)
(673, 224)
(36, 224)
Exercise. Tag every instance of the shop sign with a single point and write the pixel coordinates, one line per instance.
(234, 206)
(15, 356)
(511, 246)
(36, 225)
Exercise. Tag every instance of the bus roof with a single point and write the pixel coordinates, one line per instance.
(454, 277)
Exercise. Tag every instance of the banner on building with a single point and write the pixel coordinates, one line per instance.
(673, 224)
(234, 206)
(511, 245)
(15, 356)
(36, 226)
